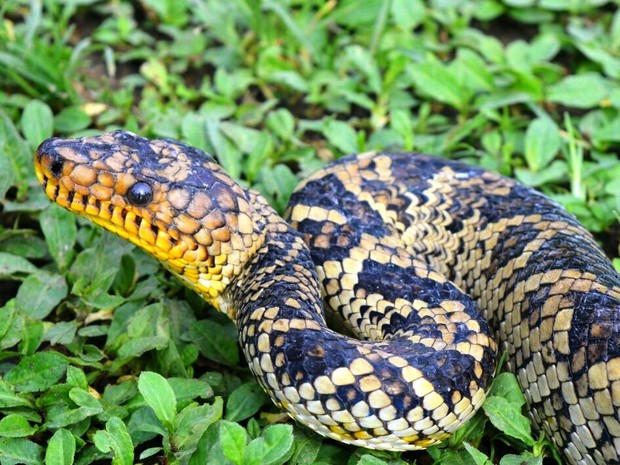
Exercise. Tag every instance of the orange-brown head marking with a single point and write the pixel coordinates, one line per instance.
(168, 198)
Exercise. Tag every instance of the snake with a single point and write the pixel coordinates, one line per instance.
(425, 269)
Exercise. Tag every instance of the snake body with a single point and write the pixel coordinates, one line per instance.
(402, 250)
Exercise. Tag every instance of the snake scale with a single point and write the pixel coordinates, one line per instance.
(424, 261)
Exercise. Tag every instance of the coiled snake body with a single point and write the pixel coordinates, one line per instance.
(387, 242)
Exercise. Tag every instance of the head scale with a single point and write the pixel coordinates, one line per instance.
(168, 198)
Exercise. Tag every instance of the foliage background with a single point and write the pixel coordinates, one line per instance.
(104, 357)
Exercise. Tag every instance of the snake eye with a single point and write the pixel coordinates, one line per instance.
(140, 194)
(56, 167)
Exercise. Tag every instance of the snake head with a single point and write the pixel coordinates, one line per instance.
(169, 198)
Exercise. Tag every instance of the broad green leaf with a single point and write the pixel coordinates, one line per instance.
(274, 447)
(233, 440)
(434, 79)
(71, 119)
(13, 264)
(37, 372)
(58, 226)
(524, 459)
(579, 91)
(60, 448)
(115, 439)
(40, 293)
(215, 341)
(37, 122)
(245, 401)
(282, 123)
(159, 396)
(408, 14)
(506, 385)
(306, 447)
(8, 397)
(15, 451)
(191, 423)
(15, 426)
(188, 389)
(368, 459)
(479, 457)
(507, 418)
(342, 136)
(542, 143)
(15, 157)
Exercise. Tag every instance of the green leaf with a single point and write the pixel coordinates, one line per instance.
(408, 14)
(434, 79)
(523, 459)
(506, 385)
(274, 447)
(191, 423)
(479, 457)
(37, 372)
(542, 143)
(71, 119)
(40, 293)
(245, 401)
(20, 451)
(60, 448)
(37, 122)
(368, 459)
(233, 440)
(15, 426)
(159, 396)
(579, 91)
(507, 418)
(342, 136)
(188, 389)
(13, 264)
(216, 342)
(282, 123)
(58, 226)
(306, 447)
(8, 397)
(115, 439)
(15, 157)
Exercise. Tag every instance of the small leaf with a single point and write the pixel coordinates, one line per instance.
(115, 439)
(542, 142)
(215, 341)
(341, 135)
(71, 119)
(368, 459)
(507, 418)
(233, 440)
(507, 386)
(15, 426)
(523, 459)
(479, 457)
(277, 444)
(20, 451)
(37, 122)
(434, 79)
(245, 401)
(40, 293)
(37, 372)
(60, 448)
(60, 231)
(159, 396)
(579, 91)
(13, 264)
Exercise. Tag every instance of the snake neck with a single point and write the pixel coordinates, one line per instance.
(282, 266)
